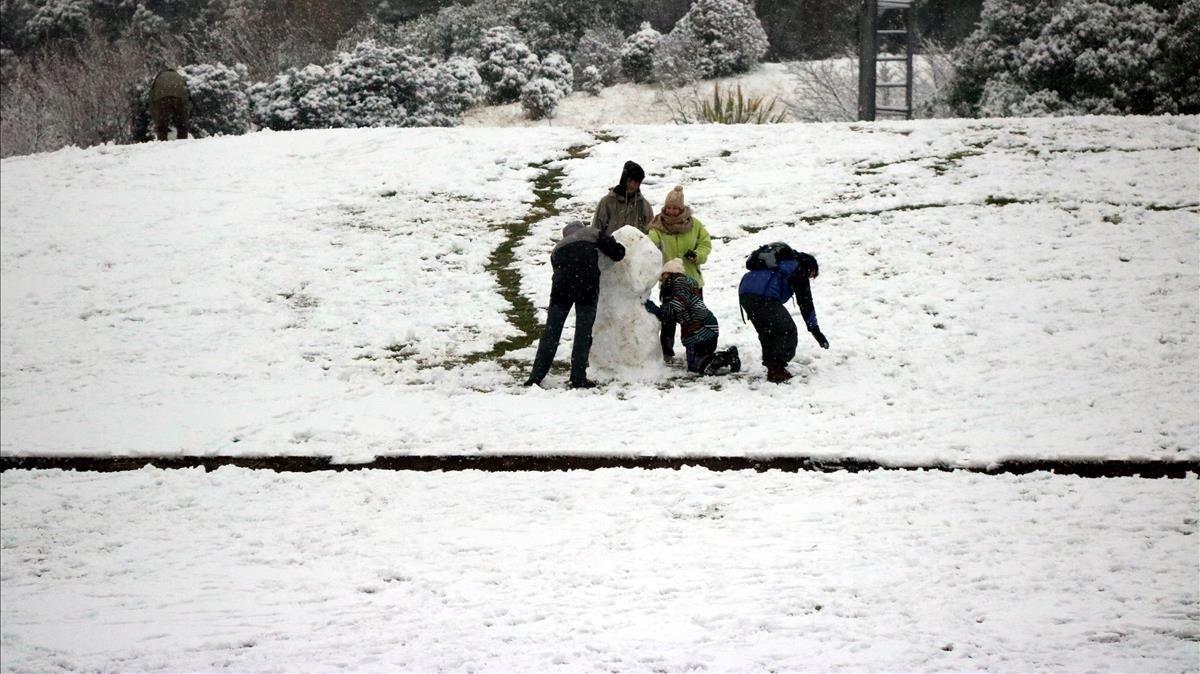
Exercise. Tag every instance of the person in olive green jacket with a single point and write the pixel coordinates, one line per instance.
(679, 234)
(624, 204)
(170, 104)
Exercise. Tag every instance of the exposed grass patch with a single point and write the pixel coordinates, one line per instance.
(994, 200)
(521, 314)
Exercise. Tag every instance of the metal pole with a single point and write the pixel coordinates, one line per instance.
(868, 49)
(910, 23)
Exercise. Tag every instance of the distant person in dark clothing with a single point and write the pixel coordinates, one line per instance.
(624, 204)
(576, 282)
(170, 104)
(763, 294)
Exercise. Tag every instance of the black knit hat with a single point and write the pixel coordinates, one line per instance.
(809, 263)
(631, 171)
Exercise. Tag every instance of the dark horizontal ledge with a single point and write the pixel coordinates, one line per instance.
(545, 463)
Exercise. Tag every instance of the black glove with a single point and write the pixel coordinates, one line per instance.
(820, 339)
(690, 255)
(652, 308)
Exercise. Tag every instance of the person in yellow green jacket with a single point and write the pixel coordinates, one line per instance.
(679, 234)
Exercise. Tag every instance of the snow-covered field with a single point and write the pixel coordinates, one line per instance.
(991, 290)
(612, 570)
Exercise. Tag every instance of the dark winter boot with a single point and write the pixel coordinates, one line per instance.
(735, 361)
(777, 374)
(713, 365)
(586, 383)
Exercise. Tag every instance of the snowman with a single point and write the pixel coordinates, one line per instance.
(625, 343)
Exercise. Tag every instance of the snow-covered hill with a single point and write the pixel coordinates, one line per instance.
(990, 288)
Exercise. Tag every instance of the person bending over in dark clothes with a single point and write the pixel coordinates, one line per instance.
(763, 294)
(576, 283)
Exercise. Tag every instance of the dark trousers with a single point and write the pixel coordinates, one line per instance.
(556, 317)
(169, 111)
(666, 335)
(699, 354)
(775, 327)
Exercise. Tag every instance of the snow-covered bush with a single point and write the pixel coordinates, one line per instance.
(458, 83)
(1072, 57)
(675, 62)
(637, 54)
(590, 80)
(507, 63)
(599, 48)
(220, 105)
(456, 30)
(374, 85)
(1178, 78)
(146, 23)
(539, 97)
(55, 19)
(1096, 54)
(727, 35)
(300, 98)
(993, 48)
(385, 86)
(557, 69)
(556, 25)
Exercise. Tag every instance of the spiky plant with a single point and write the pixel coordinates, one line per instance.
(732, 107)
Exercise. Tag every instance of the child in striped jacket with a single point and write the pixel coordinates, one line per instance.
(682, 304)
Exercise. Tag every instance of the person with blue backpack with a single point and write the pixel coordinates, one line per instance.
(776, 273)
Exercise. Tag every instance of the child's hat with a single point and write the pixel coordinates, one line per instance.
(674, 266)
(675, 197)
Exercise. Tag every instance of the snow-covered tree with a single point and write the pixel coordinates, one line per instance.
(675, 62)
(539, 97)
(1178, 77)
(458, 84)
(457, 30)
(590, 80)
(727, 35)
(301, 98)
(599, 48)
(54, 19)
(220, 104)
(993, 48)
(1096, 54)
(556, 25)
(146, 23)
(382, 86)
(373, 85)
(507, 63)
(637, 54)
(557, 69)
(1067, 57)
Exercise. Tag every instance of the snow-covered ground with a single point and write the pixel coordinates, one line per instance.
(991, 289)
(613, 570)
